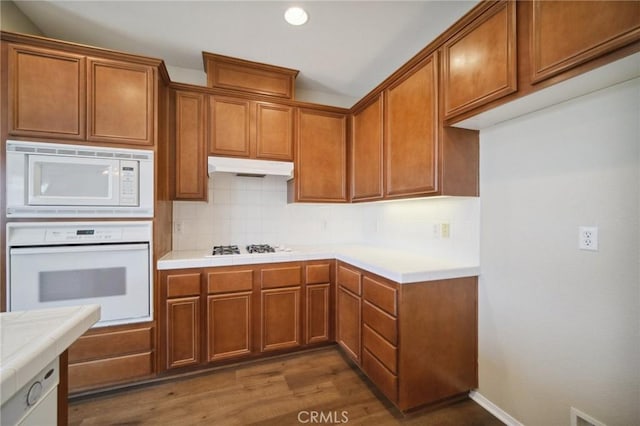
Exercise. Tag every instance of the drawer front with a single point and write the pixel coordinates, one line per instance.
(281, 277)
(380, 321)
(384, 380)
(228, 281)
(378, 346)
(318, 274)
(183, 285)
(109, 371)
(380, 295)
(349, 279)
(106, 345)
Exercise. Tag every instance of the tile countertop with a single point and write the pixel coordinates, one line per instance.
(32, 339)
(395, 265)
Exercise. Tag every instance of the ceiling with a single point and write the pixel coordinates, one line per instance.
(345, 49)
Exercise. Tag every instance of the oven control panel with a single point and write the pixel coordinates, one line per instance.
(84, 234)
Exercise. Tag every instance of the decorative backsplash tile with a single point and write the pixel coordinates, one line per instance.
(248, 210)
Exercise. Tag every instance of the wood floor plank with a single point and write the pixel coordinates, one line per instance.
(281, 391)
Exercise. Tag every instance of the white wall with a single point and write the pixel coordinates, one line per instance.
(245, 210)
(560, 327)
(12, 19)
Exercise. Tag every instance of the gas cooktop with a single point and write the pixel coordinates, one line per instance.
(251, 249)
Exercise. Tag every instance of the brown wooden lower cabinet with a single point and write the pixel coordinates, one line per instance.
(280, 318)
(183, 331)
(111, 356)
(348, 322)
(228, 325)
(416, 342)
(317, 313)
(234, 312)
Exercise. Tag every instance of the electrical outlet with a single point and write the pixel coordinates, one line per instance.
(445, 230)
(177, 227)
(588, 238)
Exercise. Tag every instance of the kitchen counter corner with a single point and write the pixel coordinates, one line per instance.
(32, 339)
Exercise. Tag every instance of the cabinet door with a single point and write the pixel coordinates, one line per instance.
(568, 33)
(411, 127)
(229, 126)
(120, 102)
(317, 313)
(229, 325)
(46, 93)
(349, 325)
(280, 318)
(479, 63)
(190, 157)
(321, 156)
(183, 331)
(274, 131)
(366, 152)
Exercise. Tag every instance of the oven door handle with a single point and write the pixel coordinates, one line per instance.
(78, 249)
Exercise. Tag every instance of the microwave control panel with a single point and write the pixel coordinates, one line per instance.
(128, 183)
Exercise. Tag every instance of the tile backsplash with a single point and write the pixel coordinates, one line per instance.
(247, 210)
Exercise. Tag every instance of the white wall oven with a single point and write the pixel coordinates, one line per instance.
(52, 264)
(59, 180)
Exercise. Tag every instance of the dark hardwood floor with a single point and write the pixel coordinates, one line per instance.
(315, 387)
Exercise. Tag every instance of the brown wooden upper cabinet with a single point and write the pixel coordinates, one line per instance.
(190, 156)
(321, 156)
(120, 100)
(47, 93)
(243, 128)
(367, 151)
(57, 94)
(479, 62)
(565, 34)
(411, 132)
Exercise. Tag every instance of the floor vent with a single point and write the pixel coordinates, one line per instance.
(578, 418)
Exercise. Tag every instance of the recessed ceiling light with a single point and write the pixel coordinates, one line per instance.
(296, 16)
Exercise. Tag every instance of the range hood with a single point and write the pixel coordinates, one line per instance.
(249, 167)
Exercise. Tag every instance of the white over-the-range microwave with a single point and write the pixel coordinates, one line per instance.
(60, 180)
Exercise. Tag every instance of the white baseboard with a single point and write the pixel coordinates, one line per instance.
(502, 415)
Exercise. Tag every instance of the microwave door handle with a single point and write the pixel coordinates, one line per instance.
(77, 249)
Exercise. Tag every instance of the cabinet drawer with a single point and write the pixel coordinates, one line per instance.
(281, 277)
(318, 274)
(380, 295)
(384, 380)
(105, 345)
(227, 281)
(378, 346)
(383, 323)
(183, 285)
(108, 371)
(350, 280)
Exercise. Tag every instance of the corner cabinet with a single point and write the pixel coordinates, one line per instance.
(416, 342)
(479, 63)
(367, 151)
(321, 156)
(411, 132)
(190, 157)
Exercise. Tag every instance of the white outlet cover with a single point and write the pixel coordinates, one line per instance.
(588, 238)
